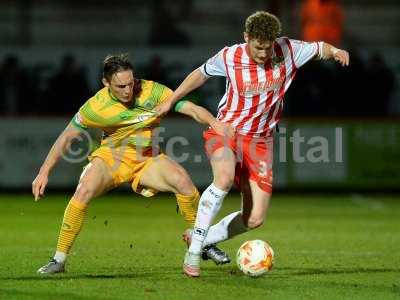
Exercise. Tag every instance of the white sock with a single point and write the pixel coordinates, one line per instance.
(60, 257)
(227, 228)
(209, 205)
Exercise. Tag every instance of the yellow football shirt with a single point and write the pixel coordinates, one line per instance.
(122, 125)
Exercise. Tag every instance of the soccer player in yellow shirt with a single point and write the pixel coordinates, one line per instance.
(123, 111)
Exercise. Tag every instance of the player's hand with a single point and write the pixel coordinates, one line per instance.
(163, 108)
(341, 56)
(39, 185)
(223, 129)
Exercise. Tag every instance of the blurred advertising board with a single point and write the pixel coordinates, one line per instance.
(307, 154)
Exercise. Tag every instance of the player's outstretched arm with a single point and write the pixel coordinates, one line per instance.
(54, 155)
(331, 52)
(191, 82)
(203, 116)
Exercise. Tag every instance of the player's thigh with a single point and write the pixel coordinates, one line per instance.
(255, 203)
(95, 180)
(223, 162)
(166, 175)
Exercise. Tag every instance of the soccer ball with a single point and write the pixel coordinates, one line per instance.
(255, 258)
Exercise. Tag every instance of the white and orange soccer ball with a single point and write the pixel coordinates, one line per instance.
(255, 258)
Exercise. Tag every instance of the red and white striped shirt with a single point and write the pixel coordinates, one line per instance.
(253, 99)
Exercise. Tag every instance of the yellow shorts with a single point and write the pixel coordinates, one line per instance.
(125, 165)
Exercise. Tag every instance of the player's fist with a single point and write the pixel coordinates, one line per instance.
(163, 108)
(39, 185)
(341, 56)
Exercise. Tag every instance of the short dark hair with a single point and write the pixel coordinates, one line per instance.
(263, 26)
(115, 63)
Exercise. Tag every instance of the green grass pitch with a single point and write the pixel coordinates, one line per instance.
(326, 247)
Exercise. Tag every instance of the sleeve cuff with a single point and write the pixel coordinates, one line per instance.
(178, 105)
(78, 125)
(320, 53)
(203, 70)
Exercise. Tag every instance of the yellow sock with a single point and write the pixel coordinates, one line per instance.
(188, 206)
(71, 226)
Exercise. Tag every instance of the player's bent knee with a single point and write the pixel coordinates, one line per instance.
(83, 193)
(224, 181)
(184, 185)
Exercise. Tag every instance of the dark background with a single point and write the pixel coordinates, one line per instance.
(51, 54)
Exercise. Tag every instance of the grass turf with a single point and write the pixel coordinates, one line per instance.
(325, 248)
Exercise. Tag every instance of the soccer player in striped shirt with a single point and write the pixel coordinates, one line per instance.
(258, 73)
(123, 110)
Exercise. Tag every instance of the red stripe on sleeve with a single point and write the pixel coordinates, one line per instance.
(291, 52)
(237, 65)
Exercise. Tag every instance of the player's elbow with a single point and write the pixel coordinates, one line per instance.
(69, 134)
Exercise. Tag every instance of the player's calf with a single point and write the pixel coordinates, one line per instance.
(253, 223)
